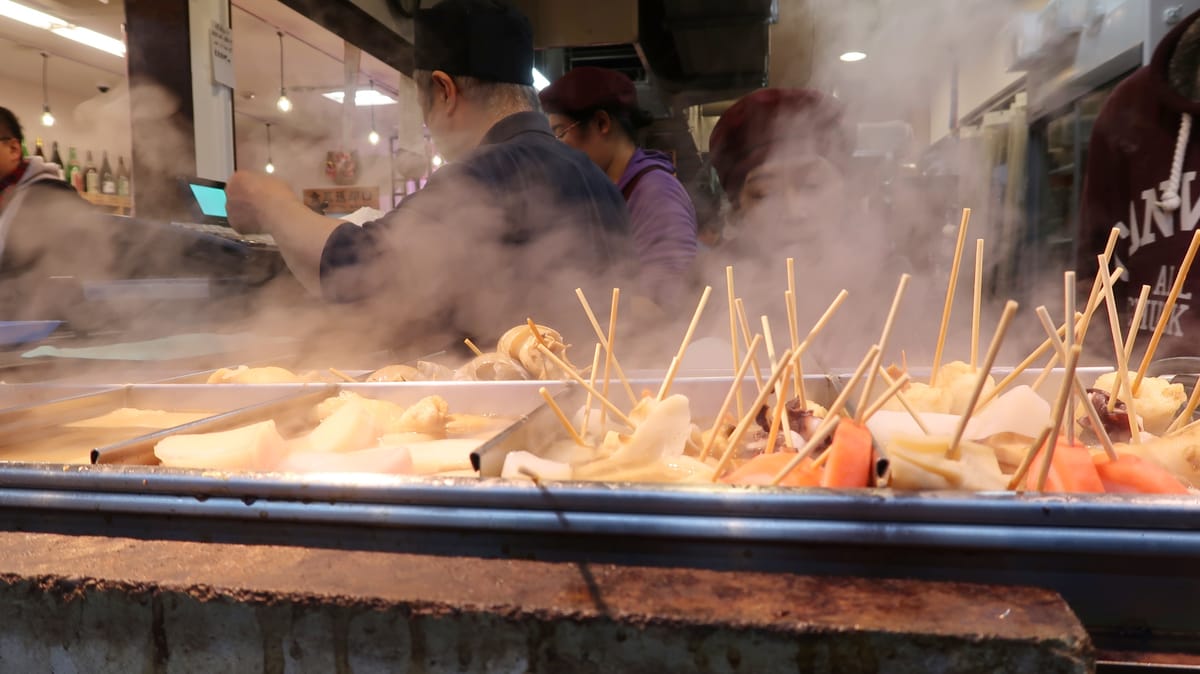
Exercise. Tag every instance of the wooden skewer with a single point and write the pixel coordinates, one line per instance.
(977, 303)
(471, 345)
(883, 343)
(789, 298)
(612, 346)
(587, 309)
(733, 333)
(823, 320)
(1135, 324)
(587, 406)
(616, 411)
(908, 407)
(1188, 410)
(1060, 408)
(1168, 310)
(781, 387)
(1096, 297)
(817, 438)
(778, 418)
(745, 325)
(1130, 338)
(950, 288)
(744, 423)
(1084, 320)
(687, 339)
(798, 371)
(562, 417)
(737, 384)
(831, 418)
(342, 375)
(1027, 461)
(1069, 321)
(1010, 310)
(892, 390)
(1119, 349)
(1080, 389)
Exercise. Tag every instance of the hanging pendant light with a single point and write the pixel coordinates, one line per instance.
(47, 117)
(284, 103)
(373, 137)
(270, 167)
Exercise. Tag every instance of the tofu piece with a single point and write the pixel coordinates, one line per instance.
(255, 447)
(1157, 401)
(923, 398)
(958, 380)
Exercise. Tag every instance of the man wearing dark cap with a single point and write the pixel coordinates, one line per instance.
(595, 110)
(511, 223)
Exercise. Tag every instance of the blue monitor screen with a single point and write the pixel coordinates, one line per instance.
(211, 200)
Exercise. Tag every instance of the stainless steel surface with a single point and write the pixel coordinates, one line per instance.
(290, 403)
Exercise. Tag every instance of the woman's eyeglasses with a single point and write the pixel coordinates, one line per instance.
(562, 133)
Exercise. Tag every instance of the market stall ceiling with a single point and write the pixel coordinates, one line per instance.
(313, 56)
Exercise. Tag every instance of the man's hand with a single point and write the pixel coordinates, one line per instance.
(254, 202)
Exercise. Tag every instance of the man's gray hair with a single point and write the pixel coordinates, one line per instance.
(502, 96)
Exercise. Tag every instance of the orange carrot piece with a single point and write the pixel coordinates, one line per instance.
(763, 468)
(1071, 471)
(850, 458)
(1131, 474)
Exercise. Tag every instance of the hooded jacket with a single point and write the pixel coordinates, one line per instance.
(46, 230)
(1142, 165)
(662, 221)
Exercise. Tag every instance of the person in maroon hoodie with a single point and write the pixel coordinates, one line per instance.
(595, 110)
(1141, 178)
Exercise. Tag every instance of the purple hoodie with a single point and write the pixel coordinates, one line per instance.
(663, 223)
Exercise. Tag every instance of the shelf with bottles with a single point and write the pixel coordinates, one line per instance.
(88, 178)
(113, 203)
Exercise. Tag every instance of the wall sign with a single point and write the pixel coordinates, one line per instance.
(221, 41)
(341, 199)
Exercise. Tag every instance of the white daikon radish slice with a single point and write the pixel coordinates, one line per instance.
(255, 447)
(527, 466)
(568, 452)
(441, 456)
(389, 460)
(1020, 411)
(887, 424)
(919, 462)
(350, 428)
(663, 432)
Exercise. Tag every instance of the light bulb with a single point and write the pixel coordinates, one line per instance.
(373, 137)
(852, 56)
(47, 118)
(284, 103)
(437, 160)
(270, 168)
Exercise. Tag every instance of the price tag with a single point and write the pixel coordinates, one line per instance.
(221, 40)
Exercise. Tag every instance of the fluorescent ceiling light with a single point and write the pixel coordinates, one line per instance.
(362, 97)
(539, 80)
(91, 38)
(852, 56)
(85, 36)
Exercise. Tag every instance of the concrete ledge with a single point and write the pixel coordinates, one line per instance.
(90, 604)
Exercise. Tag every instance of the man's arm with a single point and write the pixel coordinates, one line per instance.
(259, 203)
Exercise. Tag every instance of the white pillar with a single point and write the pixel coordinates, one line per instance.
(212, 104)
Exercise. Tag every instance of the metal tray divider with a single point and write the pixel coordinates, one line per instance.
(25, 420)
(140, 450)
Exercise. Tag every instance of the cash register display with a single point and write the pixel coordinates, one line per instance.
(211, 200)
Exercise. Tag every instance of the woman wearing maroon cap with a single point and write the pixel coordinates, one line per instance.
(595, 110)
(781, 157)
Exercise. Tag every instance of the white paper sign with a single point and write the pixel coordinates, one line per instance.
(221, 39)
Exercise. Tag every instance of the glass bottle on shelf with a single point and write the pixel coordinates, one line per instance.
(122, 177)
(91, 175)
(57, 160)
(37, 149)
(74, 170)
(108, 179)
